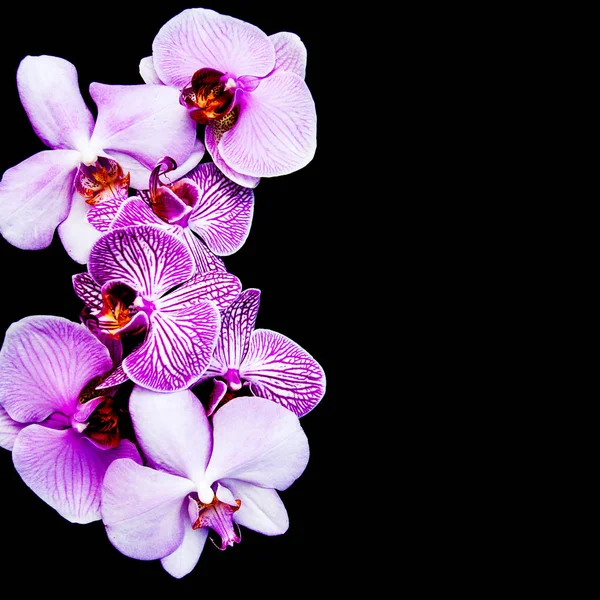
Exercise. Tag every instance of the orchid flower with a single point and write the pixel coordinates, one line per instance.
(272, 365)
(84, 169)
(207, 211)
(247, 88)
(200, 478)
(140, 279)
(52, 417)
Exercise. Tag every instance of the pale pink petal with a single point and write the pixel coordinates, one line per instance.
(279, 369)
(146, 258)
(65, 469)
(223, 214)
(237, 324)
(261, 510)
(143, 510)
(290, 53)
(140, 174)
(257, 441)
(199, 37)
(276, 132)
(9, 430)
(212, 146)
(145, 122)
(185, 558)
(173, 431)
(177, 349)
(76, 233)
(148, 72)
(220, 287)
(35, 196)
(49, 90)
(45, 363)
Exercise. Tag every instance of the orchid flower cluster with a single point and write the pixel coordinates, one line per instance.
(161, 409)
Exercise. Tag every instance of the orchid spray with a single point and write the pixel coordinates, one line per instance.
(157, 407)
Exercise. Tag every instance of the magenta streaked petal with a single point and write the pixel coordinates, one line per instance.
(45, 363)
(220, 287)
(135, 211)
(223, 214)
(205, 260)
(177, 349)
(65, 470)
(173, 431)
(261, 510)
(237, 325)
(140, 174)
(257, 441)
(212, 145)
(9, 429)
(35, 196)
(148, 72)
(279, 369)
(142, 509)
(117, 377)
(276, 132)
(185, 558)
(148, 259)
(101, 215)
(49, 90)
(76, 233)
(87, 290)
(145, 122)
(198, 38)
(290, 53)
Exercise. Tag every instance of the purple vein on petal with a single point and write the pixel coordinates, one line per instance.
(87, 290)
(148, 259)
(237, 324)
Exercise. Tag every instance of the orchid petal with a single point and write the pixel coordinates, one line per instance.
(135, 212)
(146, 258)
(261, 510)
(212, 145)
(148, 72)
(216, 395)
(257, 441)
(279, 369)
(223, 215)
(237, 324)
(76, 233)
(145, 122)
(173, 430)
(276, 130)
(35, 197)
(49, 91)
(185, 558)
(142, 510)
(117, 377)
(101, 215)
(290, 53)
(205, 260)
(45, 363)
(198, 38)
(87, 290)
(65, 469)
(220, 287)
(177, 349)
(9, 429)
(140, 174)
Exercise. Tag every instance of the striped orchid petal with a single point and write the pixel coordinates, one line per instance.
(148, 259)
(282, 371)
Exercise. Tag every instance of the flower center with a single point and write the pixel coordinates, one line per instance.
(218, 516)
(209, 96)
(173, 203)
(101, 179)
(116, 313)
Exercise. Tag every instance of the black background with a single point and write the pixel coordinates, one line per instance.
(292, 255)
